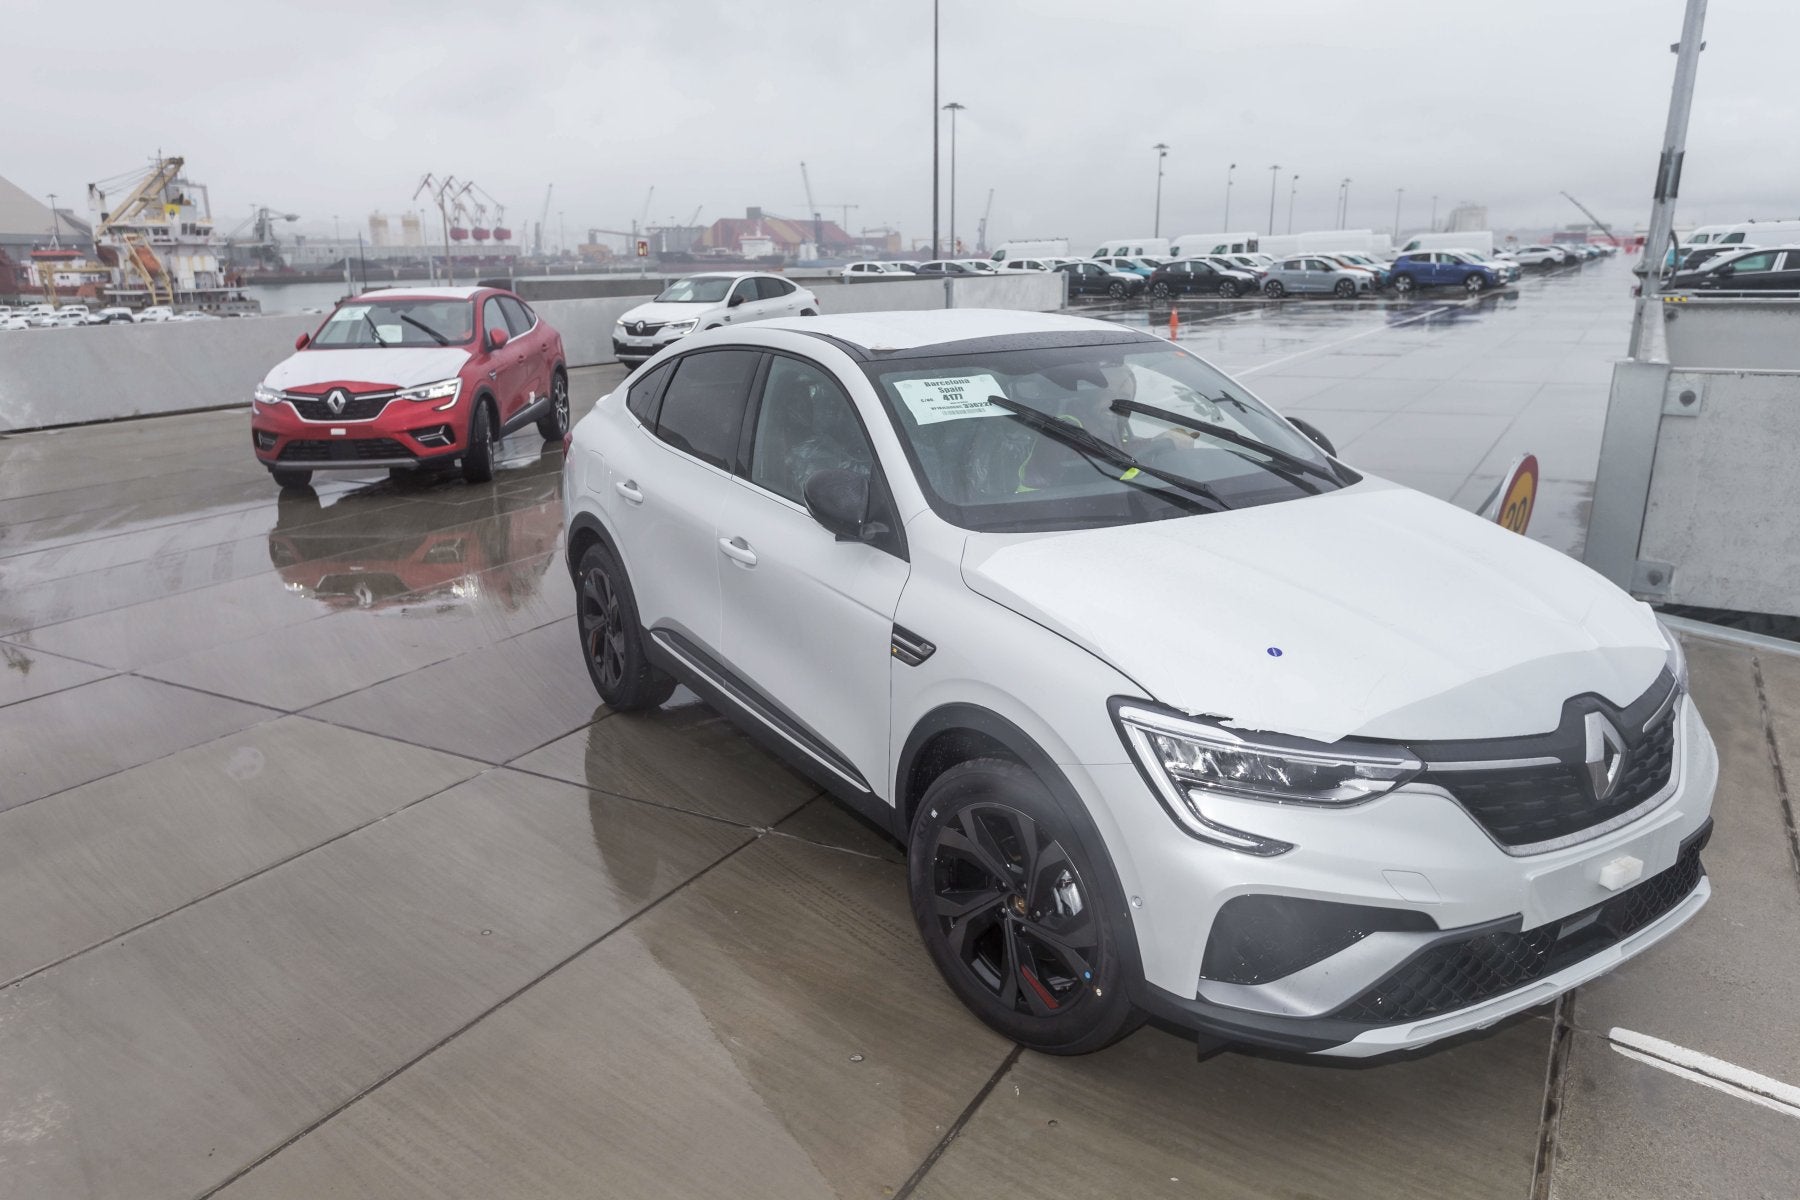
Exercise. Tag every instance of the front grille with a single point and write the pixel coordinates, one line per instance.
(643, 328)
(1457, 974)
(342, 450)
(356, 408)
(1522, 806)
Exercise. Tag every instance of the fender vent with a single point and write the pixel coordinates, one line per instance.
(910, 648)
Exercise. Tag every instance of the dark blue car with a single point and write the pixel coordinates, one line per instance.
(1442, 268)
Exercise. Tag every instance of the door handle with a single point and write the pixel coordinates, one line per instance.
(629, 490)
(738, 550)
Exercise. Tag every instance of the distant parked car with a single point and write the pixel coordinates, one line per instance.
(1441, 268)
(62, 318)
(1133, 266)
(113, 316)
(1094, 279)
(1507, 270)
(195, 315)
(1199, 277)
(1303, 273)
(1773, 270)
(1693, 259)
(707, 302)
(980, 266)
(156, 312)
(12, 323)
(872, 269)
(941, 267)
(1540, 256)
(1013, 266)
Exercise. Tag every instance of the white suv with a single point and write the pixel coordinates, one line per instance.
(697, 302)
(1176, 714)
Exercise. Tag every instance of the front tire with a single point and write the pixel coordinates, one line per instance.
(1026, 928)
(478, 459)
(1345, 288)
(1160, 290)
(1116, 291)
(612, 641)
(555, 423)
(1229, 289)
(1473, 284)
(1403, 284)
(291, 478)
(1274, 289)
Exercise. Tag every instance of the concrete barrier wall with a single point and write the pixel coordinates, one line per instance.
(105, 372)
(1745, 333)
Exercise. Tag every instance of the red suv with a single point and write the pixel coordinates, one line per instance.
(411, 378)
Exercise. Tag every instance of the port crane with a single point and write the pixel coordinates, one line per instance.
(981, 225)
(537, 237)
(447, 194)
(122, 224)
(261, 223)
(1604, 227)
(818, 225)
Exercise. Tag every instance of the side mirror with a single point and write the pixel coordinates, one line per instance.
(735, 300)
(839, 500)
(1313, 432)
(496, 338)
(303, 341)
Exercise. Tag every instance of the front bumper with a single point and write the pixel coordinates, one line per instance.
(1414, 849)
(631, 348)
(403, 434)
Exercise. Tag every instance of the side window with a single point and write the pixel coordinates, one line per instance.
(519, 318)
(806, 424)
(641, 398)
(772, 289)
(1750, 263)
(703, 406)
(1793, 261)
(492, 317)
(745, 290)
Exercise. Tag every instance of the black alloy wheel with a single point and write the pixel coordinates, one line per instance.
(1229, 289)
(1345, 288)
(612, 641)
(1274, 289)
(1116, 291)
(1023, 926)
(555, 423)
(1160, 289)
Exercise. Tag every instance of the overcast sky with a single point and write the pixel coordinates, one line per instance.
(329, 108)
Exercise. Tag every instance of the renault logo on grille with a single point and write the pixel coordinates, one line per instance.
(336, 399)
(638, 328)
(1605, 755)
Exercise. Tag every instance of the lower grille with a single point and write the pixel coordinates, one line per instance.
(342, 449)
(1453, 975)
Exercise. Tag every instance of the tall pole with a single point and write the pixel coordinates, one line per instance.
(55, 223)
(1344, 202)
(1274, 173)
(936, 121)
(1227, 221)
(1293, 186)
(1162, 152)
(953, 108)
(1434, 213)
(1668, 174)
(1398, 192)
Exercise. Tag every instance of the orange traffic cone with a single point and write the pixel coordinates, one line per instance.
(1174, 323)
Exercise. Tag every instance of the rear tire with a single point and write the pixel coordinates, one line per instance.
(478, 459)
(1116, 291)
(1274, 289)
(1229, 289)
(1473, 284)
(1404, 284)
(612, 641)
(291, 477)
(1027, 929)
(555, 423)
(1345, 288)
(1160, 290)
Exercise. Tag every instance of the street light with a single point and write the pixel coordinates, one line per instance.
(1274, 171)
(1344, 202)
(1293, 186)
(1162, 152)
(953, 108)
(935, 124)
(1398, 192)
(1228, 171)
(1434, 214)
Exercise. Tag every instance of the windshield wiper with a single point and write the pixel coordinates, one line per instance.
(374, 329)
(1293, 462)
(1080, 440)
(433, 334)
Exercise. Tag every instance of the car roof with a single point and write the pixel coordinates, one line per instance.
(933, 327)
(423, 293)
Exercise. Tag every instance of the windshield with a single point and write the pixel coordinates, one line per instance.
(398, 322)
(702, 289)
(984, 469)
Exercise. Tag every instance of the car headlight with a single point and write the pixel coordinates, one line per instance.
(681, 326)
(265, 394)
(1188, 762)
(1678, 665)
(446, 390)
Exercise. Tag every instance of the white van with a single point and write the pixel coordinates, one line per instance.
(1481, 241)
(1191, 245)
(1756, 233)
(1041, 248)
(1133, 248)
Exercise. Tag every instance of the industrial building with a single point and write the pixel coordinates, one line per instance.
(758, 235)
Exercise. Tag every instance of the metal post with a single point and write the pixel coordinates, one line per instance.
(55, 224)
(953, 108)
(1227, 221)
(1162, 152)
(936, 121)
(1293, 186)
(1274, 173)
(1668, 175)
(1398, 193)
(1434, 214)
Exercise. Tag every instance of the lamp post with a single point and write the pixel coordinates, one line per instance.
(1344, 202)
(1162, 152)
(1228, 171)
(953, 108)
(1398, 193)
(1434, 214)
(1293, 186)
(1274, 172)
(55, 223)
(935, 123)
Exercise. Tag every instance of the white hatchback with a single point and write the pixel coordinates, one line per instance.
(709, 301)
(1176, 713)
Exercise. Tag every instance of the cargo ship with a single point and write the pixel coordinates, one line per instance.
(154, 230)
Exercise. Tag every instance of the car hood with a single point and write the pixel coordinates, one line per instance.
(665, 312)
(1374, 611)
(385, 366)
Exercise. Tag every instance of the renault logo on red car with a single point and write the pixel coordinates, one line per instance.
(336, 399)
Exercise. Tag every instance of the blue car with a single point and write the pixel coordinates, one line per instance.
(1443, 268)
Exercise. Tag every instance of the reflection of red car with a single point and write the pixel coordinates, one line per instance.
(498, 556)
(411, 378)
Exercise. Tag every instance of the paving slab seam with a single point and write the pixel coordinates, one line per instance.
(686, 812)
(111, 673)
(1728, 1078)
(806, 841)
(477, 1019)
(227, 886)
(1781, 784)
(956, 1127)
(1562, 1036)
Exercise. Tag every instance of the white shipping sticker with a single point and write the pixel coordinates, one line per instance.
(950, 397)
(351, 312)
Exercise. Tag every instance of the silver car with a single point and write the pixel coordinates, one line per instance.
(1315, 273)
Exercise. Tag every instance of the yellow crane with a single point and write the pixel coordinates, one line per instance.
(122, 225)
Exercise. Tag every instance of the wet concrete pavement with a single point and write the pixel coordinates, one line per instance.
(324, 874)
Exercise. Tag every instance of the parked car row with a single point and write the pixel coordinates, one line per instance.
(50, 316)
(1738, 268)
